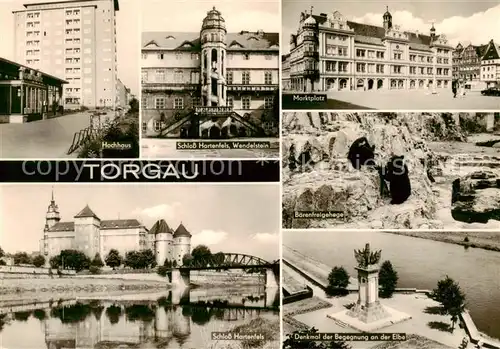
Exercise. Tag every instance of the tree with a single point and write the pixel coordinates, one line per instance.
(2, 262)
(73, 259)
(187, 260)
(2, 253)
(113, 259)
(291, 342)
(55, 262)
(97, 261)
(219, 258)
(201, 255)
(338, 279)
(148, 258)
(388, 279)
(21, 258)
(451, 297)
(39, 261)
(134, 105)
(132, 260)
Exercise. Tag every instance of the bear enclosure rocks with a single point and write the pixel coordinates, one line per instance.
(476, 197)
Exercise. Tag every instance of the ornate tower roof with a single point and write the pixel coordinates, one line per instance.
(181, 231)
(214, 20)
(160, 227)
(52, 206)
(86, 212)
(387, 15)
(310, 21)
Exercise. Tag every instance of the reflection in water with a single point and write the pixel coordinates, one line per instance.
(137, 324)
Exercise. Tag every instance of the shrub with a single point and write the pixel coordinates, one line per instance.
(94, 270)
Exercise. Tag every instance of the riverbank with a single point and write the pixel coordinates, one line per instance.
(487, 240)
(15, 288)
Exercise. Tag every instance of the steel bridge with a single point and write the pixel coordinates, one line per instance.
(224, 261)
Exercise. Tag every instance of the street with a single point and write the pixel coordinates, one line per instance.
(42, 139)
(152, 148)
(412, 100)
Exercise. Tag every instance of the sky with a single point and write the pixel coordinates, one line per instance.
(463, 21)
(187, 16)
(229, 218)
(127, 37)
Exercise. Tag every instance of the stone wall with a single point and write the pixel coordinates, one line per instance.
(226, 277)
(16, 271)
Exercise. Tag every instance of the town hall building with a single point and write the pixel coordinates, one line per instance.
(91, 235)
(330, 53)
(209, 84)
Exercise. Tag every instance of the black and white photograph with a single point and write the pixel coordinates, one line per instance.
(140, 266)
(69, 79)
(379, 290)
(368, 54)
(381, 170)
(210, 79)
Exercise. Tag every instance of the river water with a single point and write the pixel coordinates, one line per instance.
(139, 324)
(420, 264)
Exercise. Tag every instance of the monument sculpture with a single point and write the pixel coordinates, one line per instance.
(368, 313)
(368, 307)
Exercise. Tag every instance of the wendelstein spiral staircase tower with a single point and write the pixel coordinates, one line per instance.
(213, 57)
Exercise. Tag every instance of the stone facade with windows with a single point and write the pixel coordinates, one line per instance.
(211, 68)
(330, 53)
(467, 65)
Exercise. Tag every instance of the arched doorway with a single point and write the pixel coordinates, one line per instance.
(412, 84)
(330, 84)
(233, 130)
(421, 84)
(242, 132)
(342, 84)
(224, 132)
(360, 84)
(183, 133)
(393, 84)
(370, 84)
(401, 84)
(214, 132)
(380, 84)
(204, 133)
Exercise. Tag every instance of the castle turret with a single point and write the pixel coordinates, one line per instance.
(182, 243)
(87, 232)
(163, 241)
(52, 217)
(387, 19)
(213, 57)
(433, 32)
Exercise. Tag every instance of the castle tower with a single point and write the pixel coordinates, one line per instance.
(387, 19)
(163, 241)
(52, 217)
(433, 32)
(87, 232)
(213, 59)
(182, 243)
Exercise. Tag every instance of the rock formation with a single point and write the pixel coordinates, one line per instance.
(332, 184)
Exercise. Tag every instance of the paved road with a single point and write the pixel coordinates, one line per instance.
(413, 100)
(43, 139)
(153, 148)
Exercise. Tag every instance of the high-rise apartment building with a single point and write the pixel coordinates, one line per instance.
(76, 41)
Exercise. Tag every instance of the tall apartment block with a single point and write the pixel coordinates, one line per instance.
(74, 40)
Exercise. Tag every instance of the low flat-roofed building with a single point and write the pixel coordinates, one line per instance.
(27, 94)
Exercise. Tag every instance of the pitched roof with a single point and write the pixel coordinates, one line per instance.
(120, 224)
(372, 34)
(86, 212)
(107, 224)
(242, 41)
(481, 50)
(181, 231)
(160, 227)
(492, 51)
(63, 226)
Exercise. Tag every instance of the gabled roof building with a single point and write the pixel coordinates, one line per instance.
(328, 52)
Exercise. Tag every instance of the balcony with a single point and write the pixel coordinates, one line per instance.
(311, 38)
(310, 73)
(312, 54)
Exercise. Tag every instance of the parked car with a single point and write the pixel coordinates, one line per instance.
(491, 91)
